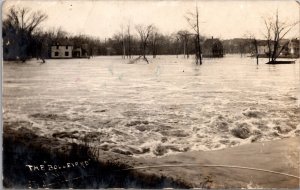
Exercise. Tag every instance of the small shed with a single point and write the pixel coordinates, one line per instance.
(77, 52)
(212, 48)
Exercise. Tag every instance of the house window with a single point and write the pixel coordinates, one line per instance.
(66, 47)
(56, 53)
(56, 47)
(66, 53)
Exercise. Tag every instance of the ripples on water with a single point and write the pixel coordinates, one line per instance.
(168, 106)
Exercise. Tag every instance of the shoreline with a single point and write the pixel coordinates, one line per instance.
(38, 161)
(280, 156)
(31, 161)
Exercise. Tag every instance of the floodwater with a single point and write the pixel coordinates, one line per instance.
(165, 107)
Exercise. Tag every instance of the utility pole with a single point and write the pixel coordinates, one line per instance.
(298, 1)
(198, 36)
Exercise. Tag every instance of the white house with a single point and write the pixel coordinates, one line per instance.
(61, 51)
(262, 49)
(294, 47)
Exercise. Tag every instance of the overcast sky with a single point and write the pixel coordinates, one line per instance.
(223, 19)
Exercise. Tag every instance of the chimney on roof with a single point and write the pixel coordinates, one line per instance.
(212, 37)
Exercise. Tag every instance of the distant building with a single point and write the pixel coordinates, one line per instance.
(283, 48)
(61, 51)
(262, 48)
(80, 51)
(288, 48)
(212, 48)
(77, 52)
(68, 50)
(293, 47)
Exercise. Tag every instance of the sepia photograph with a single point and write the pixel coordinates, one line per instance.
(151, 94)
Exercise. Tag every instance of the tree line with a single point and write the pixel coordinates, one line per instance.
(23, 39)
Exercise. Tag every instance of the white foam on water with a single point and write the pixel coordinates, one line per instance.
(154, 109)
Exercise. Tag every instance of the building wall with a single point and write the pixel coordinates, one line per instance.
(294, 48)
(61, 51)
(77, 52)
(262, 49)
(212, 48)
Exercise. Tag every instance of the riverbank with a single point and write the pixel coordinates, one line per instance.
(280, 156)
(31, 161)
(34, 161)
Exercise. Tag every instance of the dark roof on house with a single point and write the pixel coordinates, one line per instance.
(211, 42)
(262, 42)
(295, 41)
(265, 42)
(62, 42)
(57, 44)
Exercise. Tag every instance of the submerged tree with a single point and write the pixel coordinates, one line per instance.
(242, 47)
(193, 20)
(254, 42)
(275, 32)
(175, 43)
(184, 36)
(123, 42)
(129, 41)
(253, 46)
(20, 24)
(154, 36)
(144, 34)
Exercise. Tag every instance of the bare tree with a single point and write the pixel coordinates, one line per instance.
(154, 41)
(144, 33)
(184, 35)
(268, 25)
(193, 20)
(24, 19)
(23, 22)
(275, 32)
(58, 34)
(175, 38)
(242, 47)
(129, 41)
(117, 42)
(123, 42)
(254, 46)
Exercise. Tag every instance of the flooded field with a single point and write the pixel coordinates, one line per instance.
(165, 107)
